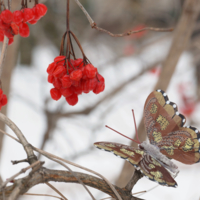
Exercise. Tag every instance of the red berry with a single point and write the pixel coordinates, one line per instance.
(76, 75)
(38, 12)
(51, 68)
(59, 58)
(55, 94)
(17, 17)
(9, 33)
(78, 63)
(99, 88)
(11, 40)
(57, 83)
(14, 28)
(28, 14)
(66, 92)
(75, 83)
(7, 16)
(72, 100)
(43, 8)
(4, 100)
(1, 36)
(84, 76)
(24, 30)
(59, 71)
(50, 78)
(32, 21)
(85, 86)
(90, 71)
(78, 89)
(1, 94)
(66, 81)
(100, 85)
(3, 25)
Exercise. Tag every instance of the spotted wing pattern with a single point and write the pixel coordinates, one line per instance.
(154, 171)
(165, 129)
(132, 155)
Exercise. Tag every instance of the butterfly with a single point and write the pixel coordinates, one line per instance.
(168, 138)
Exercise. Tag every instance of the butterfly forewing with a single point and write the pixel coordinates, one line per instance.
(165, 129)
(153, 170)
(132, 155)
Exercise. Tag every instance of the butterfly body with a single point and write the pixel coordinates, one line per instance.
(168, 137)
(154, 151)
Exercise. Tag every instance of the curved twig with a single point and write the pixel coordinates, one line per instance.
(94, 25)
(29, 151)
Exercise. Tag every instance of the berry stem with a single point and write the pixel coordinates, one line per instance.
(78, 43)
(72, 46)
(62, 44)
(67, 15)
(8, 4)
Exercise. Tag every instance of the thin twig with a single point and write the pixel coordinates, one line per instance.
(31, 156)
(94, 25)
(57, 191)
(46, 195)
(3, 54)
(133, 32)
(17, 174)
(14, 162)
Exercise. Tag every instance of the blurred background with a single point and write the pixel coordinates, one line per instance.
(131, 67)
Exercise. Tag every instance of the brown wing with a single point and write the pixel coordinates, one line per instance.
(132, 155)
(154, 171)
(165, 129)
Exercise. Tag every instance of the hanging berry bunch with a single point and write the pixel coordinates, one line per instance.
(71, 76)
(17, 22)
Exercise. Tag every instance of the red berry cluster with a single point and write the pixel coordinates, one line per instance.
(13, 23)
(73, 79)
(3, 99)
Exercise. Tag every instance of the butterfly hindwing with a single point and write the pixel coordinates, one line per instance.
(132, 155)
(165, 129)
(153, 170)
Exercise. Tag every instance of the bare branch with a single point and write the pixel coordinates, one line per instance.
(31, 156)
(47, 175)
(51, 156)
(94, 25)
(136, 176)
(79, 180)
(20, 172)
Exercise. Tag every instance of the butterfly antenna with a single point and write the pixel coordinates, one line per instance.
(123, 135)
(135, 127)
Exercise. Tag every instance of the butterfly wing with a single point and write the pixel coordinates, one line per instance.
(165, 129)
(132, 155)
(154, 171)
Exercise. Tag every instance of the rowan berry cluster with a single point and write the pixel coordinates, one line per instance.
(71, 78)
(13, 23)
(3, 99)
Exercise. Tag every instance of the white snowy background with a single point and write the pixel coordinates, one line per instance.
(29, 89)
